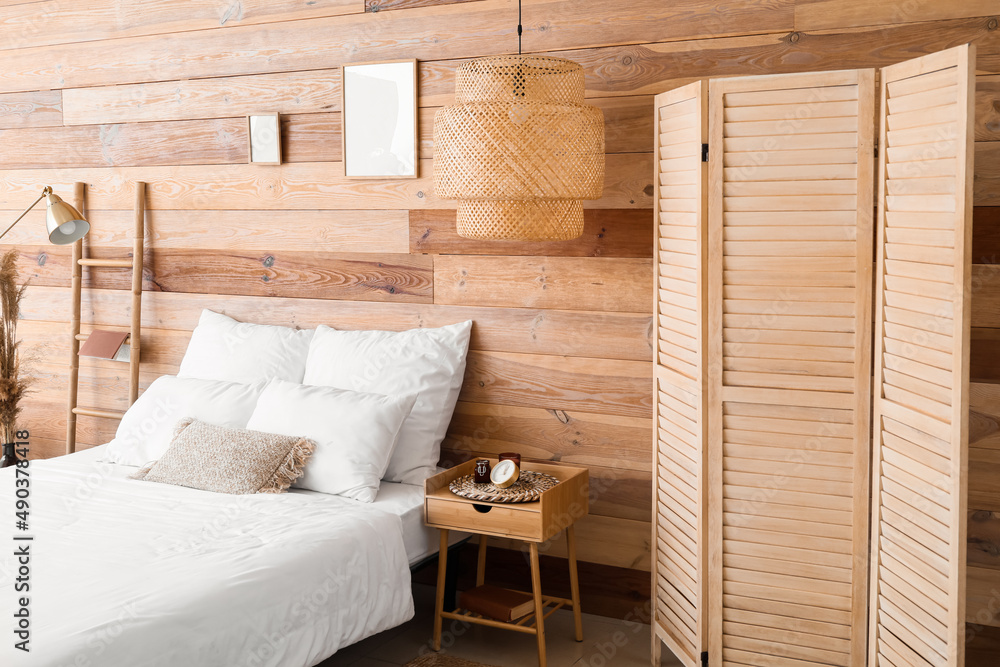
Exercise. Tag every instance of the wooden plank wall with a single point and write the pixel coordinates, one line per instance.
(155, 90)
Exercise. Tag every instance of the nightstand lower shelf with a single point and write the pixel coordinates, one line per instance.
(531, 624)
(524, 624)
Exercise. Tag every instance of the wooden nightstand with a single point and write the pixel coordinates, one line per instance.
(558, 509)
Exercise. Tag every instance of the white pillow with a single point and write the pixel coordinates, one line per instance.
(354, 433)
(223, 349)
(147, 428)
(429, 363)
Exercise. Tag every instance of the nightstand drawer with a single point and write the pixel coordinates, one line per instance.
(463, 516)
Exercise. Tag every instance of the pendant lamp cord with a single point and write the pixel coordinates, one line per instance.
(520, 29)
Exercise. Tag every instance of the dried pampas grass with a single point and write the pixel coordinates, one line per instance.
(13, 385)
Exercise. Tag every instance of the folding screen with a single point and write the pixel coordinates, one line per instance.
(764, 367)
(679, 526)
(790, 260)
(922, 362)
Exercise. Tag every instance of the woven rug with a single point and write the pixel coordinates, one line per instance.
(437, 660)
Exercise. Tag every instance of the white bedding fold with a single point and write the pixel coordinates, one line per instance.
(136, 574)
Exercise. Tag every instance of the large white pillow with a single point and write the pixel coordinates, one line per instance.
(148, 426)
(429, 363)
(354, 433)
(223, 349)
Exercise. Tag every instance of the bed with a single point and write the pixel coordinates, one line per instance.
(131, 574)
(181, 544)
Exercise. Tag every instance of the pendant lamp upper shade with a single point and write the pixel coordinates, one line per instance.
(519, 149)
(64, 223)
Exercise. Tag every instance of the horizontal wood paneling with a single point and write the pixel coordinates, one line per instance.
(305, 138)
(314, 91)
(584, 283)
(606, 233)
(385, 5)
(987, 183)
(354, 276)
(575, 438)
(32, 109)
(58, 22)
(528, 331)
(369, 231)
(309, 185)
(986, 235)
(604, 386)
(443, 31)
(988, 108)
(820, 14)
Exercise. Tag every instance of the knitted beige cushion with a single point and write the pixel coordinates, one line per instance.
(229, 460)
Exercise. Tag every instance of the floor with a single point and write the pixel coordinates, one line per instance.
(606, 642)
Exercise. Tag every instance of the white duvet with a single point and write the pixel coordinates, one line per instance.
(138, 574)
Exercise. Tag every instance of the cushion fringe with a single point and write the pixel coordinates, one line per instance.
(291, 468)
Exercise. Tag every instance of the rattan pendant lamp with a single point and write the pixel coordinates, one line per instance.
(519, 150)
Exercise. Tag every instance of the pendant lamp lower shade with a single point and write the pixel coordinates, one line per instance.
(519, 150)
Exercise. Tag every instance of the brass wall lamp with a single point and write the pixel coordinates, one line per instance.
(63, 222)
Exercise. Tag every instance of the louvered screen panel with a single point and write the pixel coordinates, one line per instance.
(679, 526)
(922, 362)
(790, 255)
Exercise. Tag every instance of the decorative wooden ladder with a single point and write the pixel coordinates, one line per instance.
(73, 410)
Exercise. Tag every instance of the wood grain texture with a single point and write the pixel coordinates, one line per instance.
(606, 233)
(988, 108)
(547, 332)
(575, 283)
(54, 22)
(986, 235)
(650, 68)
(302, 274)
(601, 386)
(576, 438)
(315, 91)
(820, 14)
(984, 449)
(305, 138)
(451, 31)
(987, 185)
(33, 109)
(386, 5)
(307, 185)
(370, 231)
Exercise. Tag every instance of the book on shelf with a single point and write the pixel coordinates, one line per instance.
(500, 604)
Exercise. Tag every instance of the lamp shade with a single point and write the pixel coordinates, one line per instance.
(64, 223)
(519, 150)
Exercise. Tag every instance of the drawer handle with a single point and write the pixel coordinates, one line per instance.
(482, 509)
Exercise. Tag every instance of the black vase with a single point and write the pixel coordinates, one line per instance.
(9, 457)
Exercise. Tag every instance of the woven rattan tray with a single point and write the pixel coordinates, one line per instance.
(525, 490)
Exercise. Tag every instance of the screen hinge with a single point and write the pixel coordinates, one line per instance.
(704, 152)
(876, 148)
(704, 659)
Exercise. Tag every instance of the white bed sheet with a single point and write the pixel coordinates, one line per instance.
(133, 574)
(404, 500)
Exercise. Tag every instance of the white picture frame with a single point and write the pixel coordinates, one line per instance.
(264, 138)
(379, 112)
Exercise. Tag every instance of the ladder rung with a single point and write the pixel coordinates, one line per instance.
(107, 263)
(106, 414)
(83, 337)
